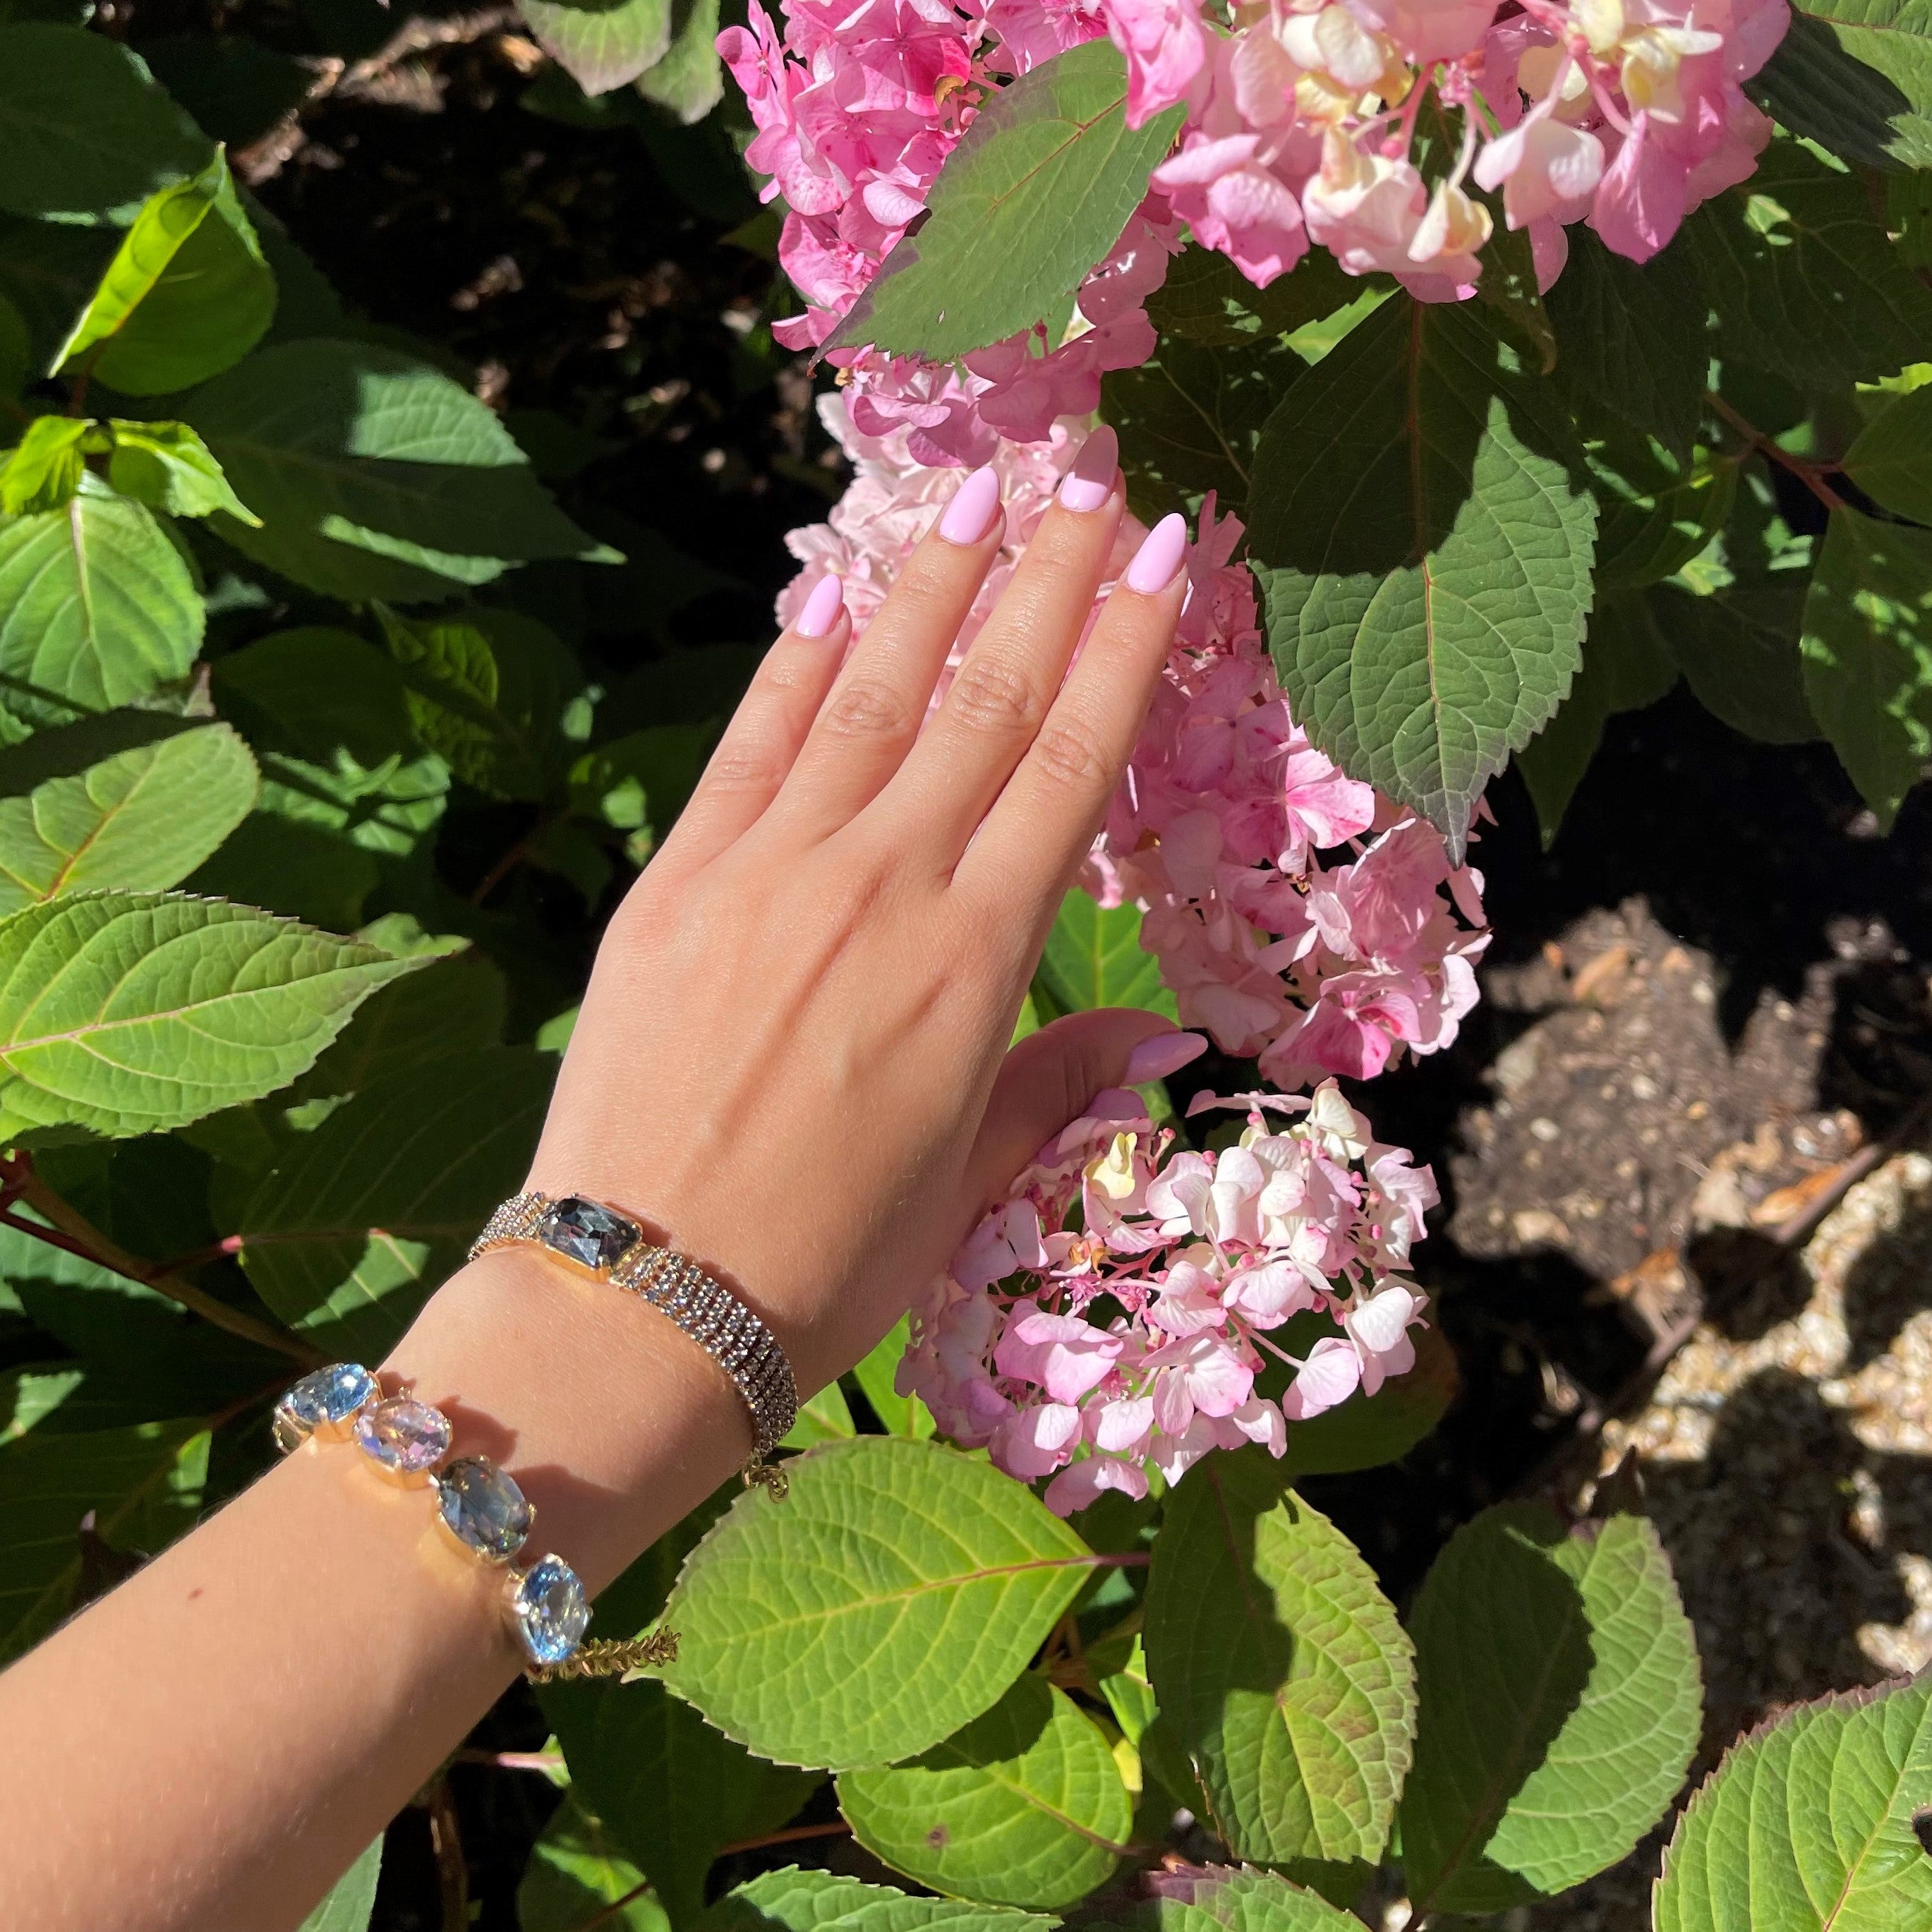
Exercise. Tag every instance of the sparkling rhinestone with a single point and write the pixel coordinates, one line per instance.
(586, 1231)
(483, 1507)
(327, 1397)
(403, 1435)
(548, 1606)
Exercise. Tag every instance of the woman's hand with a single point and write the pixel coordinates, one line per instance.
(792, 1059)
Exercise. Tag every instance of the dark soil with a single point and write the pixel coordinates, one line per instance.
(1715, 945)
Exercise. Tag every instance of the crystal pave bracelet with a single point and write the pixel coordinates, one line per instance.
(608, 1242)
(480, 1507)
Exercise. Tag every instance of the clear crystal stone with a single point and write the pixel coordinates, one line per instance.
(403, 1435)
(483, 1507)
(549, 1609)
(329, 1396)
(587, 1231)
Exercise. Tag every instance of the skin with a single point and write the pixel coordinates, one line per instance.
(791, 1064)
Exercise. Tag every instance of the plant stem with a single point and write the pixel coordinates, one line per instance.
(543, 1761)
(445, 1839)
(791, 1835)
(1807, 473)
(71, 1230)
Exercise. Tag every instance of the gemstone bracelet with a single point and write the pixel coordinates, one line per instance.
(610, 1244)
(479, 1505)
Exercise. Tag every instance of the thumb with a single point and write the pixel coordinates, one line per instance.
(1050, 1079)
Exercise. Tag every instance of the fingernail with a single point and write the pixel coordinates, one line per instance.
(975, 503)
(1090, 481)
(1159, 556)
(1166, 1053)
(821, 609)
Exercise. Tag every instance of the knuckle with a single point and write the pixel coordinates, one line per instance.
(864, 709)
(1070, 754)
(747, 767)
(990, 695)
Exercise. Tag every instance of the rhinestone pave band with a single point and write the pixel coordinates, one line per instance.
(747, 1350)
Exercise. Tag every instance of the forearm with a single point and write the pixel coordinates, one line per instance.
(237, 1721)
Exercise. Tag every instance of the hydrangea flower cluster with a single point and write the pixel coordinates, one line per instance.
(1301, 124)
(1298, 916)
(1132, 1341)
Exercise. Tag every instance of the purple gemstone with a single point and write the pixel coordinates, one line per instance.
(403, 1435)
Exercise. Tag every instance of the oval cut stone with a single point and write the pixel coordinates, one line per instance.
(403, 1435)
(550, 1610)
(483, 1507)
(588, 1231)
(325, 1397)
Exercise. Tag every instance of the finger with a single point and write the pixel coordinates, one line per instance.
(760, 744)
(1045, 818)
(876, 708)
(1005, 686)
(1051, 1078)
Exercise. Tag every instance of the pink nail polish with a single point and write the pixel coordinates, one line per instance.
(1090, 481)
(1166, 1053)
(975, 503)
(821, 609)
(1158, 557)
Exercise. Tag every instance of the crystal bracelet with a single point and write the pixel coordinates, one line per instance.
(608, 1242)
(481, 1509)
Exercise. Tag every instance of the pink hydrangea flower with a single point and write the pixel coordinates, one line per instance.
(1099, 1361)
(1164, 45)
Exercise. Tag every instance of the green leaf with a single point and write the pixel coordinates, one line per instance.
(1190, 418)
(1890, 460)
(642, 778)
(792, 1901)
(1024, 1807)
(143, 1485)
(65, 751)
(131, 1013)
(894, 1597)
(1207, 299)
(374, 475)
(187, 296)
(1626, 665)
(142, 819)
(668, 1789)
(1211, 1898)
(1094, 959)
(351, 1898)
(1043, 183)
(1868, 652)
(486, 691)
(876, 1373)
(167, 465)
(576, 1872)
(313, 693)
(1367, 1431)
(84, 131)
(29, 1395)
(1656, 516)
(96, 607)
(453, 1006)
(1424, 542)
(824, 1417)
(1561, 1702)
(602, 45)
(1855, 76)
(1808, 1824)
(235, 88)
(364, 1216)
(1803, 279)
(1632, 337)
(689, 80)
(1739, 651)
(43, 470)
(1280, 1666)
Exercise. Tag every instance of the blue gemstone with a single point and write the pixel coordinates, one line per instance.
(329, 1396)
(587, 1231)
(549, 1607)
(483, 1507)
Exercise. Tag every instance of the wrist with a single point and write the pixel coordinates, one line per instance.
(614, 1424)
